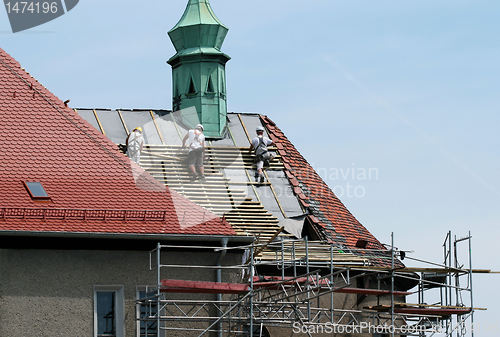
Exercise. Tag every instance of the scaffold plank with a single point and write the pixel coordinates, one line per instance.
(202, 287)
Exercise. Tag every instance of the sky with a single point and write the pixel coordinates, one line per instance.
(395, 103)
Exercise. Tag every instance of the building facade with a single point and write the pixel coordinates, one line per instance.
(79, 220)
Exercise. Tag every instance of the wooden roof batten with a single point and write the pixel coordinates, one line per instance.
(217, 193)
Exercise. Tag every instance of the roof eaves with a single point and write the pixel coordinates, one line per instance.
(163, 237)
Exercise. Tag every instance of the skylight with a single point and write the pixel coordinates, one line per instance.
(36, 190)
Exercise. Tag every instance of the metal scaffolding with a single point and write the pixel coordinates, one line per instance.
(300, 292)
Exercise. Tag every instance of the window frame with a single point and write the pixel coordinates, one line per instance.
(36, 197)
(119, 307)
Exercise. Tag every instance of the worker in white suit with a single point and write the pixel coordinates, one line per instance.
(262, 155)
(135, 143)
(195, 141)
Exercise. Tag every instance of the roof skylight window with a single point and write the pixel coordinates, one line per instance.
(36, 190)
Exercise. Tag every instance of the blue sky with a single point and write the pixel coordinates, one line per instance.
(409, 89)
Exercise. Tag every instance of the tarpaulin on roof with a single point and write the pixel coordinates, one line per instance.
(112, 125)
(284, 192)
(294, 225)
(133, 119)
(89, 116)
(237, 132)
(167, 128)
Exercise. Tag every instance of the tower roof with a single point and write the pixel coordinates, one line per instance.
(198, 12)
(198, 28)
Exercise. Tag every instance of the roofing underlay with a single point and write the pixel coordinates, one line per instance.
(93, 188)
(293, 189)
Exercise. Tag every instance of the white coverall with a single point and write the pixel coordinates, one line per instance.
(134, 146)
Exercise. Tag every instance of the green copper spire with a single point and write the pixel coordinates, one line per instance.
(198, 68)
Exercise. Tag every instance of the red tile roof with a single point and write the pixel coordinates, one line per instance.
(327, 211)
(92, 186)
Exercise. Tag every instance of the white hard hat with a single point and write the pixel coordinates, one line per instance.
(199, 126)
(260, 129)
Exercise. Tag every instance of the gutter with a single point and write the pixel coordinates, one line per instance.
(118, 236)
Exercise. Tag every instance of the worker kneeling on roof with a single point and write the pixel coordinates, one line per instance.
(135, 143)
(196, 144)
(262, 154)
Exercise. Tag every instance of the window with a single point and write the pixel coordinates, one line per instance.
(36, 190)
(176, 86)
(210, 86)
(192, 88)
(147, 309)
(106, 323)
(223, 84)
(108, 311)
(222, 87)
